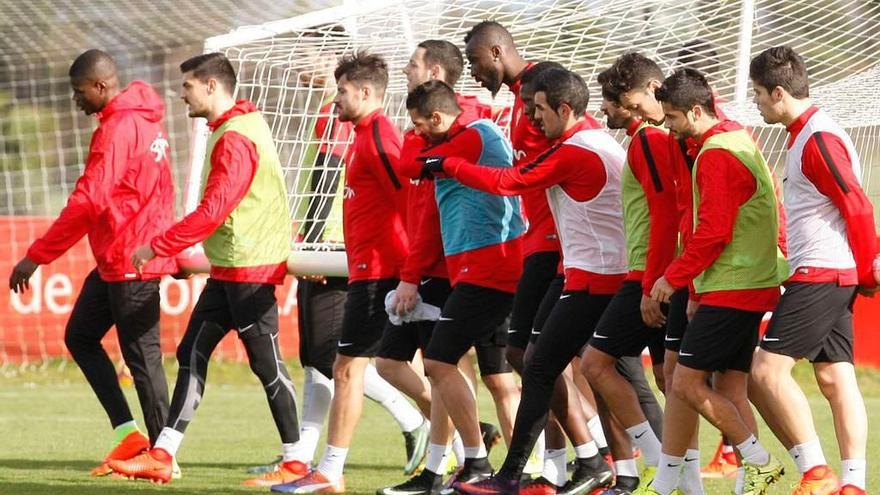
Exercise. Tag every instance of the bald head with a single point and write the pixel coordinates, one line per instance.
(94, 80)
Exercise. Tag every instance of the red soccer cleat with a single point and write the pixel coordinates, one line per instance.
(818, 480)
(850, 490)
(285, 473)
(722, 465)
(133, 444)
(312, 482)
(489, 486)
(540, 486)
(154, 465)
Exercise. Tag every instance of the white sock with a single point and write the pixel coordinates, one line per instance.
(644, 438)
(333, 462)
(376, 388)
(626, 467)
(317, 396)
(740, 480)
(691, 482)
(169, 440)
(475, 452)
(289, 452)
(458, 449)
(309, 435)
(554, 466)
(852, 472)
(586, 451)
(436, 458)
(807, 455)
(668, 473)
(753, 452)
(596, 431)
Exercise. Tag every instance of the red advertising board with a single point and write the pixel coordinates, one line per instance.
(34, 322)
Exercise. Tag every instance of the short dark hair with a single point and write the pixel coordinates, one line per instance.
(535, 72)
(489, 31)
(446, 55)
(433, 96)
(362, 67)
(686, 88)
(89, 62)
(211, 66)
(606, 82)
(781, 66)
(633, 70)
(699, 54)
(564, 86)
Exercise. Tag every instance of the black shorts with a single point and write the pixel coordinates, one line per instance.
(400, 343)
(539, 271)
(491, 357)
(813, 321)
(471, 315)
(676, 319)
(554, 292)
(621, 330)
(320, 311)
(720, 339)
(365, 317)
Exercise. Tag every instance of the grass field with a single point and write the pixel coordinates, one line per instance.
(52, 432)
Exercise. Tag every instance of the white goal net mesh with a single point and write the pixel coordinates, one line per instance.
(285, 67)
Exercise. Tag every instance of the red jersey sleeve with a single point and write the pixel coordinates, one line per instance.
(725, 184)
(74, 220)
(826, 163)
(580, 171)
(657, 177)
(233, 166)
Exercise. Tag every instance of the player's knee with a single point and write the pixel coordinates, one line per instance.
(77, 341)
(389, 369)
(265, 369)
(762, 375)
(438, 370)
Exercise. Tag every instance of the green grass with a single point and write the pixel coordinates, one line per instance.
(52, 432)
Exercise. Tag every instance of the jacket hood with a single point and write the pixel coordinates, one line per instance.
(137, 97)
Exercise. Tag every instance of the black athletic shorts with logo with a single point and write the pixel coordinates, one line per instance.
(365, 317)
(471, 315)
(813, 321)
(321, 310)
(554, 292)
(400, 342)
(720, 339)
(539, 272)
(676, 319)
(621, 331)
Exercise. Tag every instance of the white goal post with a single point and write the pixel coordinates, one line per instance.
(285, 68)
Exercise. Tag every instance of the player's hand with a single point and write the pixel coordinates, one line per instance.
(142, 256)
(692, 308)
(21, 274)
(662, 290)
(405, 297)
(432, 166)
(652, 315)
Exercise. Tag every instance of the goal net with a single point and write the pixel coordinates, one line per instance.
(285, 67)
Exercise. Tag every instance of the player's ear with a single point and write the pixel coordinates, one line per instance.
(212, 85)
(436, 119)
(496, 52)
(366, 90)
(777, 94)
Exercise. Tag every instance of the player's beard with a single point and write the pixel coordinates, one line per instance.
(494, 85)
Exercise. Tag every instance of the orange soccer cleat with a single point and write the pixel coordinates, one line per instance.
(155, 465)
(850, 490)
(285, 473)
(133, 444)
(818, 480)
(313, 482)
(722, 465)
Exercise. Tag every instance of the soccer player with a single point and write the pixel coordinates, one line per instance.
(831, 245)
(425, 273)
(124, 198)
(482, 242)
(635, 79)
(581, 174)
(494, 61)
(735, 265)
(376, 245)
(632, 320)
(243, 222)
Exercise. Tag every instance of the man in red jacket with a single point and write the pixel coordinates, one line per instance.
(124, 197)
(831, 246)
